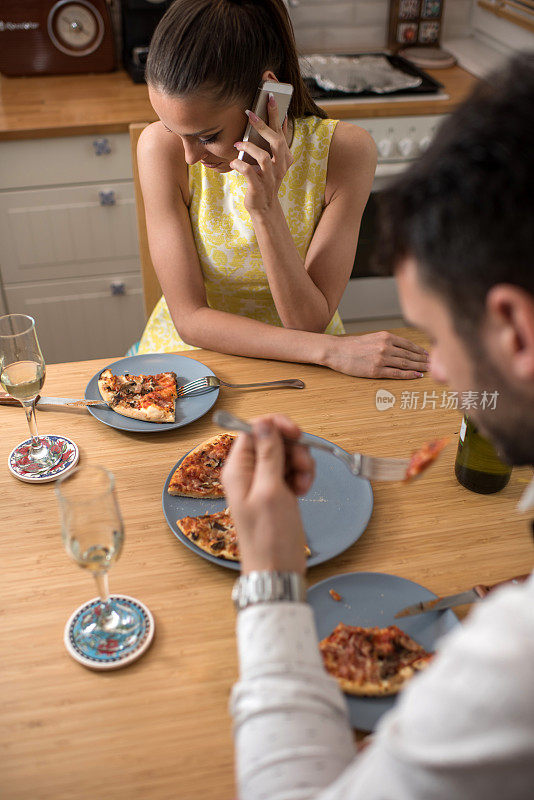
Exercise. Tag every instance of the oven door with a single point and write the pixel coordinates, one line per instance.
(367, 296)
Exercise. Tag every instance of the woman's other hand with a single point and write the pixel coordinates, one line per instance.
(262, 477)
(265, 177)
(376, 355)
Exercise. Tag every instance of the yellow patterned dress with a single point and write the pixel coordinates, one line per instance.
(227, 248)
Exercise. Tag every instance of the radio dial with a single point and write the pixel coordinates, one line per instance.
(75, 28)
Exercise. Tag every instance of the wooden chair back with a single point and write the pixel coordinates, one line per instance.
(151, 288)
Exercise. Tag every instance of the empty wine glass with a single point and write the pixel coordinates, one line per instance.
(22, 374)
(111, 626)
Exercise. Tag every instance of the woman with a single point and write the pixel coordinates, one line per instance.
(252, 260)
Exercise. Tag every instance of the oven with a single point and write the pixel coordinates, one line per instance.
(399, 140)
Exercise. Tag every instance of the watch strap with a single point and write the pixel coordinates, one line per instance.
(268, 587)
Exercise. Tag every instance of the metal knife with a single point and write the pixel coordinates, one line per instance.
(53, 403)
(471, 596)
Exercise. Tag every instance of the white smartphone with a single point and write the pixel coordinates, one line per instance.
(282, 94)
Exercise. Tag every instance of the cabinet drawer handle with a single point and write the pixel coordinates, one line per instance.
(102, 146)
(118, 288)
(107, 198)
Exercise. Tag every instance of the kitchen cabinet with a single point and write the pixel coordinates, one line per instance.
(69, 243)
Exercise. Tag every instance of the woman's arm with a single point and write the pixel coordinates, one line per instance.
(307, 293)
(164, 183)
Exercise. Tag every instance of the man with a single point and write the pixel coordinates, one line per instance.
(458, 233)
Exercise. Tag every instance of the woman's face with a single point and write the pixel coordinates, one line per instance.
(208, 129)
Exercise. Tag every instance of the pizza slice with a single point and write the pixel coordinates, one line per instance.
(372, 662)
(423, 457)
(199, 474)
(215, 534)
(149, 398)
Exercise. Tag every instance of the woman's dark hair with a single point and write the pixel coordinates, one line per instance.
(224, 46)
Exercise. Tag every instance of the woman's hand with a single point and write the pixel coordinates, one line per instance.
(264, 179)
(376, 355)
(261, 478)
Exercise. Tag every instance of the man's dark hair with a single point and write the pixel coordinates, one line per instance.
(464, 211)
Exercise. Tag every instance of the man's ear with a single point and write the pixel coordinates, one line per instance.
(510, 318)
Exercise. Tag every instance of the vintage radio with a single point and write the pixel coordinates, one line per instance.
(53, 37)
(139, 21)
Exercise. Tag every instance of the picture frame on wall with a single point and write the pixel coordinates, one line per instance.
(414, 22)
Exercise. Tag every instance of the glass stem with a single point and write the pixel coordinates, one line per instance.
(102, 586)
(29, 408)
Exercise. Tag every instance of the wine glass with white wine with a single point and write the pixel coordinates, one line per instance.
(111, 628)
(22, 374)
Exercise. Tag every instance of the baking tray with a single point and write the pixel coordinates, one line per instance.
(428, 85)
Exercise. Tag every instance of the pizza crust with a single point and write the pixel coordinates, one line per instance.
(147, 414)
(106, 394)
(385, 688)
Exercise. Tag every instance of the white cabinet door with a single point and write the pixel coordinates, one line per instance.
(68, 232)
(84, 318)
(67, 159)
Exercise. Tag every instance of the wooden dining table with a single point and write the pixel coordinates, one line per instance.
(160, 728)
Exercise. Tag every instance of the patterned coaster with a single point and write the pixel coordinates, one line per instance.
(59, 444)
(102, 654)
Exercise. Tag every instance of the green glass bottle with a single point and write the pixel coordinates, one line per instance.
(478, 467)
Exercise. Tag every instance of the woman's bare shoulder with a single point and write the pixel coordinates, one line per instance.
(161, 159)
(352, 156)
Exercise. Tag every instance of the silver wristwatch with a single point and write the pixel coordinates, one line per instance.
(268, 587)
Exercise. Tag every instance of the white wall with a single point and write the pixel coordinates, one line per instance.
(359, 25)
(500, 31)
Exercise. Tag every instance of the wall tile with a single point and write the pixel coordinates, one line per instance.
(360, 25)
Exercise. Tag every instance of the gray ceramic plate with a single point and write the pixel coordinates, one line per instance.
(335, 511)
(188, 409)
(369, 599)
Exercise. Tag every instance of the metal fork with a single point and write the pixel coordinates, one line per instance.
(371, 467)
(211, 382)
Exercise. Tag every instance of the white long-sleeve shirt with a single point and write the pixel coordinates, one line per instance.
(463, 729)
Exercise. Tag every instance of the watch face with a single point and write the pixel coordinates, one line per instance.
(75, 28)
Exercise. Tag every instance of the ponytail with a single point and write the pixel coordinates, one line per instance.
(224, 47)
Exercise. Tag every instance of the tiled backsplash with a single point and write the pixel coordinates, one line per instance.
(359, 25)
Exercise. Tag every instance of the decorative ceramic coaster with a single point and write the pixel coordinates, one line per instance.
(111, 650)
(59, 444)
